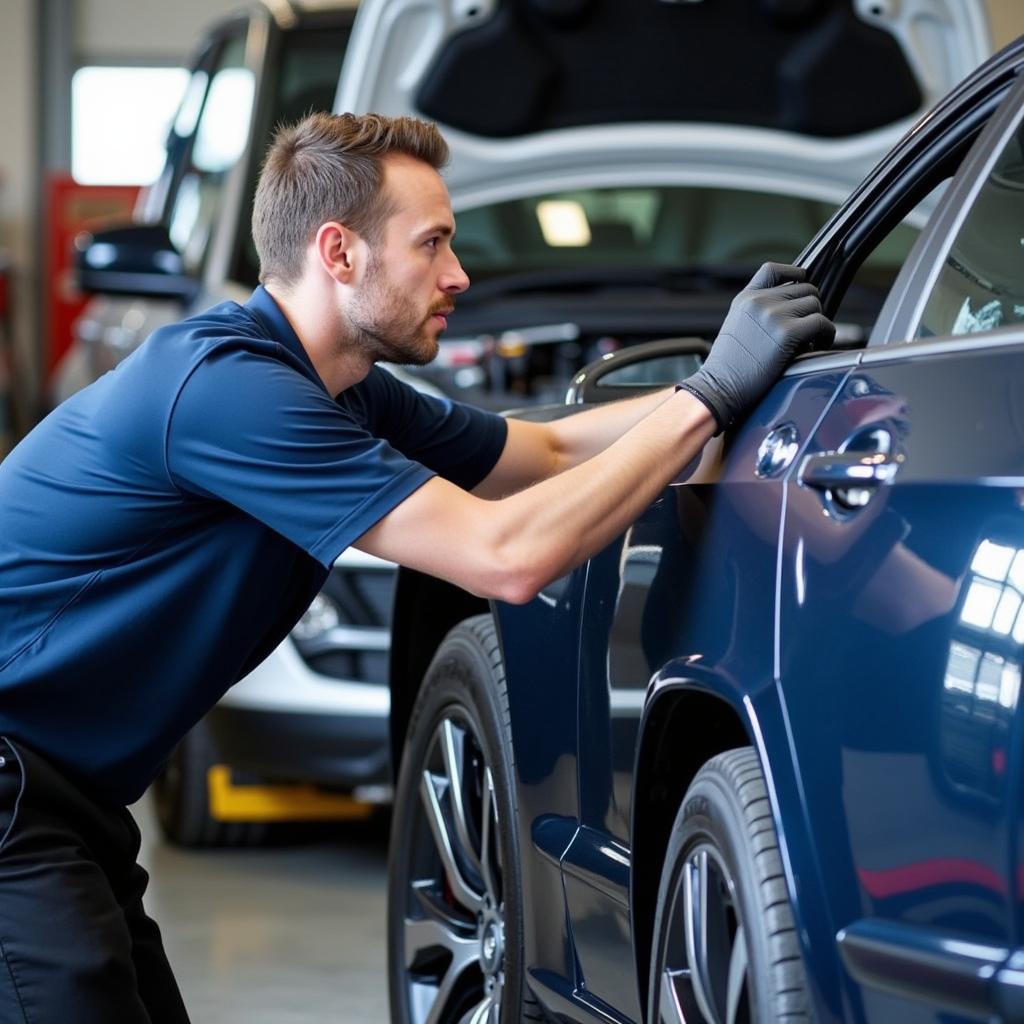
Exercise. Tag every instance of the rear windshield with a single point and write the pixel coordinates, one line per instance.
(650, 227)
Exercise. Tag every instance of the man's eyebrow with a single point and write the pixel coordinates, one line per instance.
(445, 230)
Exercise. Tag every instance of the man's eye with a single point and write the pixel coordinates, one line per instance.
(432, 242)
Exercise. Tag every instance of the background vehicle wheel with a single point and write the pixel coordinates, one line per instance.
(182, 798)
(454, 892)
(725, 948)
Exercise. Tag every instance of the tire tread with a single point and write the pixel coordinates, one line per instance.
(734, 783)
(474, 639)
(741, 770)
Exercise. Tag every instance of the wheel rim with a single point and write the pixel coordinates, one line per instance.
(454, 921)
(704, 971)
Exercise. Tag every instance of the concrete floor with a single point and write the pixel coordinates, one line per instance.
(287, 935)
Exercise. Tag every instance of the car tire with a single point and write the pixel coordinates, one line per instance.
(455, 947)
(181, 798)
(725, 947)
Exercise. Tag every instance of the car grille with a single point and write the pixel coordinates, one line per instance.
(346, 631)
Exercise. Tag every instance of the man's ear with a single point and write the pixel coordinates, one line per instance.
(340, 251)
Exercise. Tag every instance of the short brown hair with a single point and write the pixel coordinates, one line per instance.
(329, 167)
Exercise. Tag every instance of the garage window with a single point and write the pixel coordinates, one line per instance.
(119, 122)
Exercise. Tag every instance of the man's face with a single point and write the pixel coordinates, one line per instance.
(401, 303)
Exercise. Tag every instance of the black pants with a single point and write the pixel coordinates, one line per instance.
(76, 947)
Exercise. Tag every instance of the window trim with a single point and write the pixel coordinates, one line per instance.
(951, 128)
(1010, 336)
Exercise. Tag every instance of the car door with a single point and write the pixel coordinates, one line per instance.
(654, 596)
(900, 615)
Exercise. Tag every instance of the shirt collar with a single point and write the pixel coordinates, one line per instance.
(262, 305)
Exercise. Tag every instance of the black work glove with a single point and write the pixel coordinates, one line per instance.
(774, 316)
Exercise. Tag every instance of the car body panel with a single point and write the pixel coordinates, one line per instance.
(665, 604)
(899, 649)
(548, 808)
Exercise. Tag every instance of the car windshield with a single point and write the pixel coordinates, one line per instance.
(648, 227)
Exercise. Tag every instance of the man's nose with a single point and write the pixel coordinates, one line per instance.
(455, 279)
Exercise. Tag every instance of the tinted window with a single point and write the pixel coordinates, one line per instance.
(861, 301)
(981, 283)
(636, 226)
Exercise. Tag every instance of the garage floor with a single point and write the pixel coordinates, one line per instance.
(286, 935)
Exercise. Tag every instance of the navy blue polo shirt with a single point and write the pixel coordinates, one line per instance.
(163, 530)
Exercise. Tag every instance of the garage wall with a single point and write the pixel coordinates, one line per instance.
(154, 29)
(19, 118)
(1006, 19)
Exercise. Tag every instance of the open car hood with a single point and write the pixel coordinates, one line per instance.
(793, 96)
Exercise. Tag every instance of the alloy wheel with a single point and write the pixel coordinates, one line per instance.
(454, 923)
(706, 970)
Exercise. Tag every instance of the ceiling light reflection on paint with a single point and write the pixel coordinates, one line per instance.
(563, 223)
(980, 604)
(1009, 686)
(1006, 612)
(961, 668)
(992, 560)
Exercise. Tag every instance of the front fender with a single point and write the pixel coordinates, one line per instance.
(690, 715)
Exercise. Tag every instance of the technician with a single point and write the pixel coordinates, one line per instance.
(163, 530)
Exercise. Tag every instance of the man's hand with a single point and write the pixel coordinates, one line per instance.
(768, 322)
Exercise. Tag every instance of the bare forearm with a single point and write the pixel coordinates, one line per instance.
(510, 547)
(582, 436)
(560, 522)
(538, 451)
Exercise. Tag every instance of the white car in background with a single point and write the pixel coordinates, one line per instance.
(618, 171)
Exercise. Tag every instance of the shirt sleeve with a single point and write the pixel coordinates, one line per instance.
(251, 431)
(457, 441)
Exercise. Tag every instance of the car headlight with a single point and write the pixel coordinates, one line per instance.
(322, 615)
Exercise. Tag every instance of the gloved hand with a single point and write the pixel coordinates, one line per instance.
(774, 316)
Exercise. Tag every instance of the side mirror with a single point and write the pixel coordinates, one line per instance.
(137, 260)
(637, 370)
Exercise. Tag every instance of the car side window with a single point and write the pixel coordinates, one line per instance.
(863, 298)
(220, 138)
(980, 285)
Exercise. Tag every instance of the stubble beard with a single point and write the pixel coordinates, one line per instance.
(384, 325)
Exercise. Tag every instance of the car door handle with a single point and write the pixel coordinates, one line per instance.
(837, 470)
(849, 479)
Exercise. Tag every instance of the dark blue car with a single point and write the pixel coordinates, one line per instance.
(761, 759)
